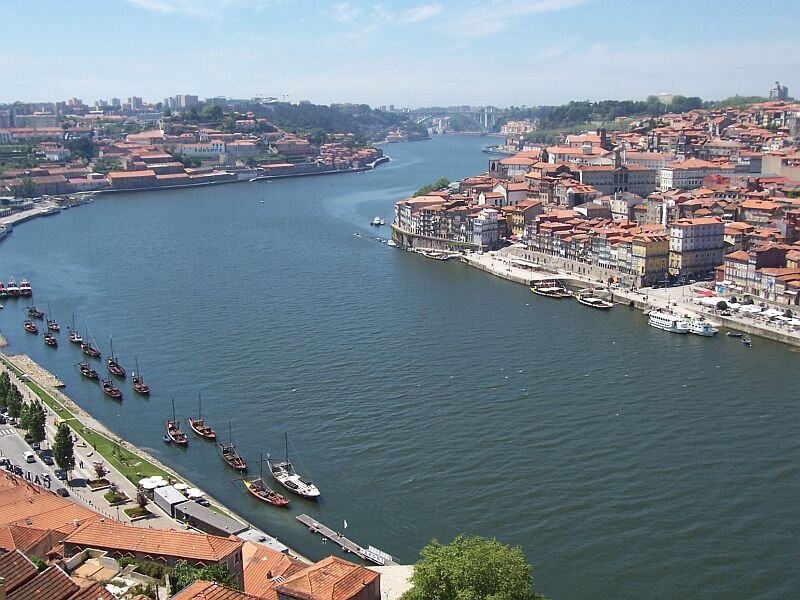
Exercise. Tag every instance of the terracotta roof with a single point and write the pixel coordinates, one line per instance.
(738, 256)
(330, 579)
(94, 592)
(52, 584)
(197, 546)
(205, 590)
(24, 538)
(16, 569)
(261, 565)
(130, 174)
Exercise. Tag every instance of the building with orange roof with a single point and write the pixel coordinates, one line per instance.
(331, 579)
(687, 174)
(264, 568)
(157, 545)
(207, 590)
(132, 180)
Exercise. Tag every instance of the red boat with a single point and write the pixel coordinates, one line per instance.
(199, 426)
(178, 437)
(30, 326)
(259, 489)
(262, 491)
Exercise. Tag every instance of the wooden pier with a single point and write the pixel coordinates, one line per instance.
(370, 554)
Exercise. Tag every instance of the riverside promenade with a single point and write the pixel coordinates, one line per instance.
(35, 382)
(512, 263)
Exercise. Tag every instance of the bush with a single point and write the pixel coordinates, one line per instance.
(722, 305)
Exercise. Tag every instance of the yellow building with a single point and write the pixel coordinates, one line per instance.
(650, 257)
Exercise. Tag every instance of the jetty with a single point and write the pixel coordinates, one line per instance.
(370, 554)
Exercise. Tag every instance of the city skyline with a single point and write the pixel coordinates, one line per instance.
(421, 53)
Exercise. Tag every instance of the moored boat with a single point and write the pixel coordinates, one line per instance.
(734, 334)
(52, 324)
(377, 222)
(74, 335)
(284, 473)
(166, 439)
(551, 289)
(110, 390)
(88, 349)
(50, 340)
(25, 288)
(178, 437)
(88, 371)
(594, 301)
(230, 455)
(667, 321)
(699, 326)
(12, 288)
(199, 425)
(113, 364)
(3, 291)
(30, 326)
(747, 341)
(35, 314)
(262, 491)
(139, 386)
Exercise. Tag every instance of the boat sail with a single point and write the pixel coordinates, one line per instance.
(285, 474)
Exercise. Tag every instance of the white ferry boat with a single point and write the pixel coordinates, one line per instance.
(668, 322)
(700, 326)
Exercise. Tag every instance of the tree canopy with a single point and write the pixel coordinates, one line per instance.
(14, 401)
(471, 568)
(184, 574)
(63, 448)
(432, 187)
(32, 419)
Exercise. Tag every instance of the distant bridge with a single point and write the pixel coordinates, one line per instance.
(486, 116)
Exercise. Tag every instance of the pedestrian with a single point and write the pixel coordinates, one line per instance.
(81, 464)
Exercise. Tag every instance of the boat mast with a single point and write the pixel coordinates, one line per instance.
(286, 436)
(199, 406)
(173, 409)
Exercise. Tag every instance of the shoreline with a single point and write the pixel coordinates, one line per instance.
(501, 264)
(84, 422)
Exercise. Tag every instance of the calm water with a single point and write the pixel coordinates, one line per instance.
(425, 398)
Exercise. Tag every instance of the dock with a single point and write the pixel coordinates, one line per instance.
(370, 554)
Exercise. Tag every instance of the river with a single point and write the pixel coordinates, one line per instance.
(425, 398)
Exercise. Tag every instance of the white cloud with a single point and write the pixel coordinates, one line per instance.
(198, 8)
(421, 13)
(494, 16)
(344, 12)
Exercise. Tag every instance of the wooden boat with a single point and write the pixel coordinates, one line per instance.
(285, 474)
(52, 324)
(110, 390)
(178, 437)
(50, 340)
(139, 386)
(74, 335)
(113, 364)
(35, 314)
(551, 289)
(88, 371)
(262, 491)
(594, 302)
(199, 425)
(88, 349)
(230, 455)
(30, 326)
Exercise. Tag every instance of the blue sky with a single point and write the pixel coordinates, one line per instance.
(407, 53)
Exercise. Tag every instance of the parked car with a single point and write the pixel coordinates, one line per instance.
(63, 492)
(61, 474)
(3, 420)
(48, 460)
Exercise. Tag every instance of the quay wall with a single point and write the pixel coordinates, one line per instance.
(407, 240)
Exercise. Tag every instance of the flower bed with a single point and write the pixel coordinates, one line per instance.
(99, 484)
(137, 513)
(115, 497)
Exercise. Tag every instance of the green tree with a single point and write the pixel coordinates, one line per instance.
(5, 385)
(211, 112)
(63, 449)
(432, 187)
(14, 401)
(82, 147)
(184, 574)
(27, 189)
(471, 568)
(35, 421)
(722, 305)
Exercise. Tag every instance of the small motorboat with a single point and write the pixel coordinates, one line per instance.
(30, 326)
(25, 288)
(735, 334)
(50, 340)
(35, 314)
(166, 439)
(747, 341)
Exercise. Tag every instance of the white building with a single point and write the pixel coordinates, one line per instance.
(686, 175)
(696, 245)
(209, 149)
(484, 228)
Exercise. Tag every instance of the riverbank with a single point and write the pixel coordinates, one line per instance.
(514, 264)
(126, 463)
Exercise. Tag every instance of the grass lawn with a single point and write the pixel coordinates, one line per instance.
(131, 466)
